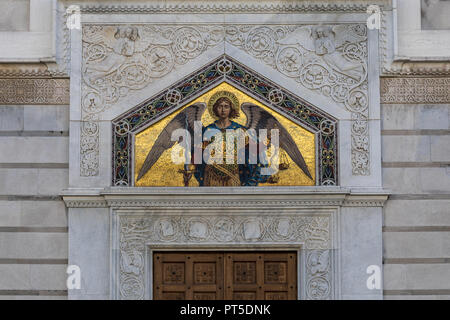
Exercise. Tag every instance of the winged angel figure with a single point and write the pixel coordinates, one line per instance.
(223, 106)
(324, 41)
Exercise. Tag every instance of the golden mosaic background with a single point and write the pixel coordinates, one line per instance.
(165, 173)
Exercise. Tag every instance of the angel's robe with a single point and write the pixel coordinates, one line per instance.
(229, 174)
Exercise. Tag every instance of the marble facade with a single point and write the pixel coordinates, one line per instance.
(386, 89)
(341, 82)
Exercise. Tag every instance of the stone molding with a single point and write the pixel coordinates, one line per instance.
(223, 198)
(419, 68)
(121, 203)
(230, 7)
(31, 70)
(17, 70)
(85, 203)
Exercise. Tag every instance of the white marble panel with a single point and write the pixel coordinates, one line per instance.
(416, 244)
(417, 276)
(33, 214)
(361, 246)
(34, 149)
(33, 245)
(89, 248)
(417, 213)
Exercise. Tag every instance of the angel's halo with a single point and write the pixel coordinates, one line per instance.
(223, 94)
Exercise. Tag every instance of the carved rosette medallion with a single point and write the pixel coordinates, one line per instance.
(318, 274)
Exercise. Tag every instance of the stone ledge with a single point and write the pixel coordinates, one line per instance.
(269, 198)
(231, 7)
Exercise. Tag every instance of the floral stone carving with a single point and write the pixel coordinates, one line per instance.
(137, 232)
(331, 60)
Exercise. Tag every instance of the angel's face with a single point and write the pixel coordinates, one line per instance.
(128, 32)
(223, 109)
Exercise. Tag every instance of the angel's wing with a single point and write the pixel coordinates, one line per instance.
(300, 36)
(344, 34)
(320, 264)
(151, 36)
(184, 120)
(258, 118)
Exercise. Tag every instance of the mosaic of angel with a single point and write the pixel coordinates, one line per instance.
(223, 107)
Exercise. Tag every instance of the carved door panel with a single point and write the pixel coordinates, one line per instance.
(188, 276)
(261, 276)
(225, 276)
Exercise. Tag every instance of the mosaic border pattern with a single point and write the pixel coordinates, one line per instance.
(245, 79)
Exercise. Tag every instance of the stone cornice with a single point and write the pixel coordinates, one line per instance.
(85, 202)
(182, 198)
(417, 68)
(365, 201)
(232, 7)
(30, 70)
(219, 203)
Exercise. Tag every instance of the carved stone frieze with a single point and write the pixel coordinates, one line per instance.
(331, 60)
(34, 91)
(390, 68)
(137, 232)
(415, 90)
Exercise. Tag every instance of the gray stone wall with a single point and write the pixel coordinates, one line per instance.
(14, 15)
(33, 222)
(416, 231)
(435, 14)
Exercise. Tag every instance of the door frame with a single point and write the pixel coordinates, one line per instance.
(312, 232)
(279, 247)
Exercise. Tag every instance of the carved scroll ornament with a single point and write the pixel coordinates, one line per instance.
(331, 60)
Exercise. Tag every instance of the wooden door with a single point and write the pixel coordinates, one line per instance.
(225, 276)
(260, 276)
(188, 276)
